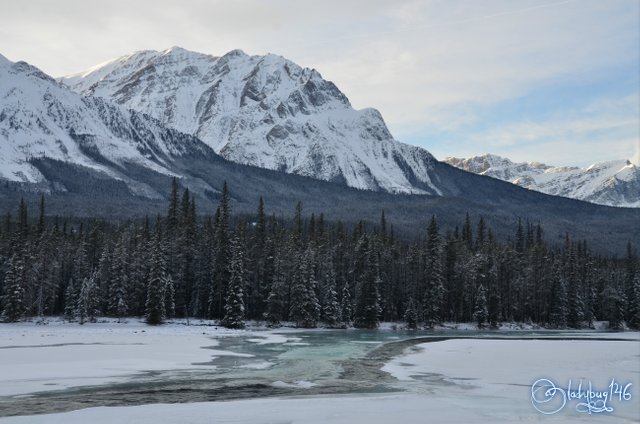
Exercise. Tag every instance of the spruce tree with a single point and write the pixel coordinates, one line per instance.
(411, 315)
(346, 305)
(14, 288)
(613, 306)
(331, 308)
(71, 299)
(433, 291)
(273, 314)
(169, 296)
(87, 303)
(118, 281)
(304, 309)
(155, 304)
(367, 309)
(234, 313)
(559, 303)
(221, 275)
(480, 313)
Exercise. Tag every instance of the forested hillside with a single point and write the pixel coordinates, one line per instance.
(232, 267)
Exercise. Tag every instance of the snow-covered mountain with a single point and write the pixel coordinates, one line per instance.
(264, 111)
(614, 183)
(40, 118)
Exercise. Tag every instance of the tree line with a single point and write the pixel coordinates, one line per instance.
(306, 271)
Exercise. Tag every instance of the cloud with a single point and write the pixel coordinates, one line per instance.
(604, 129)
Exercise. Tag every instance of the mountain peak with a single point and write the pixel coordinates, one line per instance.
(236, 52)
(265, 111)
(175, 49)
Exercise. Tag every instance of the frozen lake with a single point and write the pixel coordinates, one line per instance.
(276, 375)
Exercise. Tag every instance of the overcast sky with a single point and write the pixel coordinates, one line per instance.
(551, 81)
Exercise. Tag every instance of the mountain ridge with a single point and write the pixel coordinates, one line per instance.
(612, 183)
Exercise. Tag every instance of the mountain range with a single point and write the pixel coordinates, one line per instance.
(108, 148)
(613, 183)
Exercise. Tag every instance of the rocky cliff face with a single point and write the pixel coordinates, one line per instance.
(264, 111)
(40, 118)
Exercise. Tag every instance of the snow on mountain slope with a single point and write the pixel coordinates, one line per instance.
(614, 183)
(264, 111)
(41, 118)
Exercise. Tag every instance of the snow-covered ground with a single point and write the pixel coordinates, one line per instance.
(502, 372)
(61, 355)
(450, 381)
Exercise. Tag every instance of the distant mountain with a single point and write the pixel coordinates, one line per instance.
(264, 111)
(614, 183)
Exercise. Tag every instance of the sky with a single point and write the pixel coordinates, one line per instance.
(553, 81)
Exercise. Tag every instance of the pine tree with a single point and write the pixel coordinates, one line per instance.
(433, 292)
(304, 309)
(221, 274)
(118, 281)
(614, 303)
(234, 302)
(275, 305)
(480, 313)
(155, 304)
(346, 306)
(87, 303)
(575, 310)
(71, 299)
(331, 308)
(558, 302)
(411, 315)
(169, 296)
(367, 310)
(14, 288)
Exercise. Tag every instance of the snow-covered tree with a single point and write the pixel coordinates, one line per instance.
(304, 309)
(433, 290)
(558, 302)
(346, 305)
(411, 315)
(87, 303)
(480, 312)
(222, 251)
(275, 300)
(155, 304)
(367, 309)
(234, 302)
(331, 308)
(118, 281)
(14, 288)
(169, 297)
(613, 306)
(71, 299)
